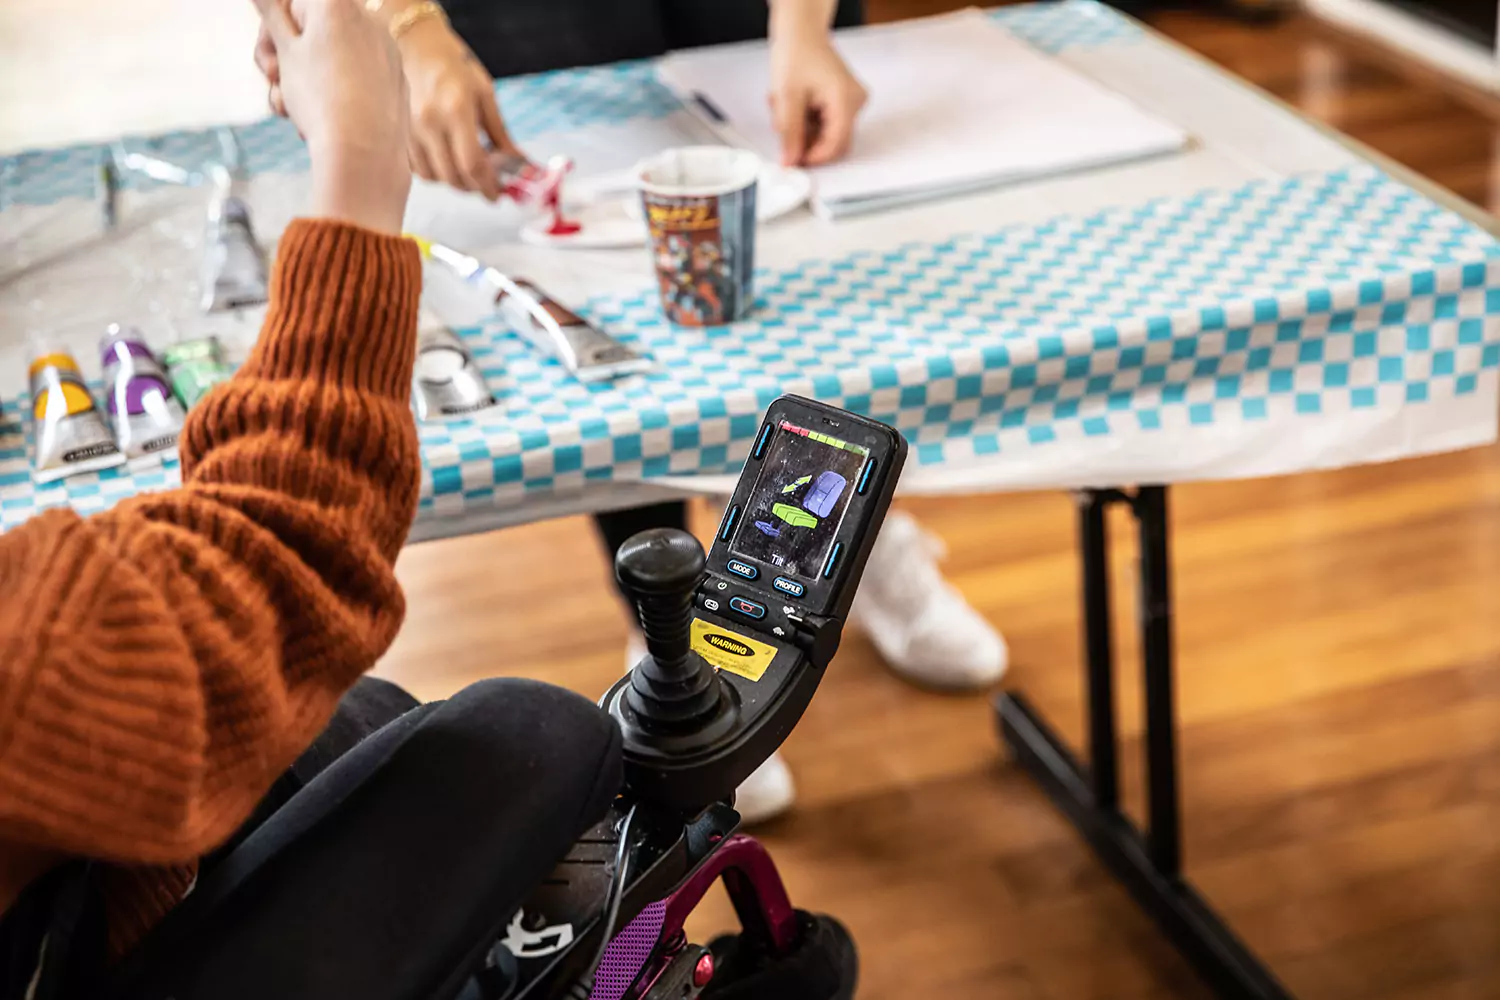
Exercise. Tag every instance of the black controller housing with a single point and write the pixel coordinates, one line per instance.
(770, 607)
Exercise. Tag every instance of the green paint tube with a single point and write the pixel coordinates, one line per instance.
(195, 366)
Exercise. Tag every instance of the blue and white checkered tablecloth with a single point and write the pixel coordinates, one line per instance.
(1329, 318)
(561, 101)
(1275, 310)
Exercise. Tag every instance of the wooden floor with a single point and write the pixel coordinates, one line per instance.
(1340, 685)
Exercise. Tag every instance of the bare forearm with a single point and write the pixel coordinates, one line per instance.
(801, 17)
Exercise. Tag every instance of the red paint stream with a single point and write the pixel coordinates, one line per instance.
(561, 226)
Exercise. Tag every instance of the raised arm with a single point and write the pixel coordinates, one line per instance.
(162, 663)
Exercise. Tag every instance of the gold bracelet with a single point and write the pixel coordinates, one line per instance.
(415, 15)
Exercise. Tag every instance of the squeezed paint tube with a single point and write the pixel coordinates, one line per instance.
(146, 416)
(194, 367)
(589, 353)
(540, 186)
(585, 350)
(234, 265)
(448, 383)
(69, 432)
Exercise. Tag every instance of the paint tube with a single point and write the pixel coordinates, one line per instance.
(585, 350)
(589, 353)
(69, 432)
(528, 183)
(448, 383)
(194, 367)
(234, 265)
(146, 417)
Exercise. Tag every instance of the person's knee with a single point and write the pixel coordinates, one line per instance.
(470, 802)
(496, 728)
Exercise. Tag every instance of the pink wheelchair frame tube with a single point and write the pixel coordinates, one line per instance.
(754, 886)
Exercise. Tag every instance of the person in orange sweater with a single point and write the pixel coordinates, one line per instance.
(163, 664)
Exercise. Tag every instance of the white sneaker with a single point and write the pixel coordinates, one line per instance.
(635, 649)
(922, 625)
(768, 792)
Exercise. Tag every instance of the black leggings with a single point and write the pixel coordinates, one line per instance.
(616, 526)
(393, 860)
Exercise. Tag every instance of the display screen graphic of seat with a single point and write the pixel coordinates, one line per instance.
(799, 499)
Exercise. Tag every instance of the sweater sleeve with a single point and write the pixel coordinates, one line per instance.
(162, 663)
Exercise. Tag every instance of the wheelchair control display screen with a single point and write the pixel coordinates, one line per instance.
(799, 498)
(803, 516)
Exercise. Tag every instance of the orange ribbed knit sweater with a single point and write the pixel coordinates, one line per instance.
(161, 664)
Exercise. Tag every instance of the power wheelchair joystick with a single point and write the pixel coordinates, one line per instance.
(673, 690)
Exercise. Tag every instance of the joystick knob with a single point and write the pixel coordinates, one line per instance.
(672, 687)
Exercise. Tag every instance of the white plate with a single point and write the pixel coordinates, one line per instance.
(612, 218)
(606, 225)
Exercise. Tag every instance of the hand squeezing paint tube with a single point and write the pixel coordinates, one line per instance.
(146, 416)
(195, 366)
(589, 353)
(234, 265)
(70, 434)
(540, 186)
(448, 382)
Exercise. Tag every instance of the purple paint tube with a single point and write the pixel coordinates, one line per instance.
(146, 416)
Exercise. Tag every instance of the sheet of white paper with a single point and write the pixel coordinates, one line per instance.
(954, 100)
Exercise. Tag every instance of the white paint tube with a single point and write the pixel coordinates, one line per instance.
(69, 432)
(447, 382)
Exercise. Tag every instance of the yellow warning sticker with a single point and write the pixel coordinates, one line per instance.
(728, 650)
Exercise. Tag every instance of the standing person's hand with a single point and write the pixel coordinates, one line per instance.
(814, 97)
(452, 101)
(338, 76)
(265, 59)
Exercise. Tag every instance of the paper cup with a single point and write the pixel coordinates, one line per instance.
(699, 204)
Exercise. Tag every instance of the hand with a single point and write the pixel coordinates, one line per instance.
(452, 100)
(814, 97)
(338, 76)
(265, 60)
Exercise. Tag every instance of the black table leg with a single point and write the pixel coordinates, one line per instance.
(1149, 863)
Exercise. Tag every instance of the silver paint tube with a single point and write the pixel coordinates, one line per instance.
(234, 265)
(447, 382)
(585, 350)
(589, 353)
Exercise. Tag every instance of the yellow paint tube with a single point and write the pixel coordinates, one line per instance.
(70, 434)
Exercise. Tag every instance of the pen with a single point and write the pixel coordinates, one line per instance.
(719, 123)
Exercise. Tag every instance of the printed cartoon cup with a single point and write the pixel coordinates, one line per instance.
(699, 205)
